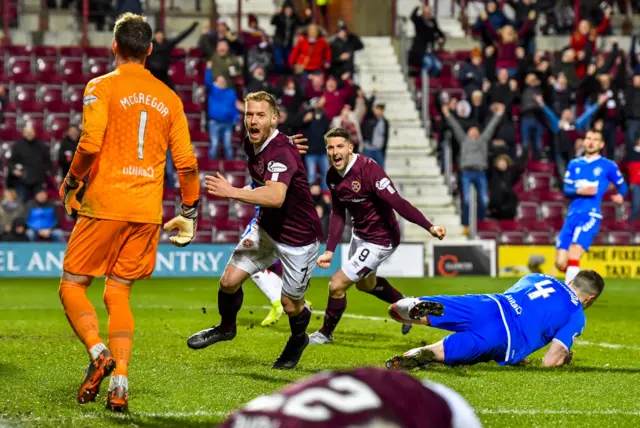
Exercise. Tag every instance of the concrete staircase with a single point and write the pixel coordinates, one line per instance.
(409, 163)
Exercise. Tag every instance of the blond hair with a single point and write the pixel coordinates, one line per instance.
(263, 96)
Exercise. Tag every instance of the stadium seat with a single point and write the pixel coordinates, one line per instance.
(525, 196)
(237, 180)
(510, 225)
(244, 212)
(551, 210)
(233, 165)
(227, 237)
(25, 94)
(541, 167)
(50, 94)
(34, 117)
(194, 53)
(185, 93)
(608, 210)
(535, 225)
(169, 209)
(18, 51)
(488, 235)
(539, 238)
(635, 225)
(620, 238)
(74, 93)
(66, 223)
(512, 238)
(612, 225)
(178, 73)
(527, 210)
(191, 108)
(216, 210)
(601, 239)
(198, 135)
(488, 226)
(71, 67)
(538, 181)
(178, 53)
(58, 125)
(74, 52)
(98, 68)
(551, 195)
(203, 237)
(46, 66)
(19, 67)
(97, 52)
(194, 124)
(44, 51)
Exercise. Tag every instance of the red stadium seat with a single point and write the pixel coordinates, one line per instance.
(527, 210)
(58, 125)
(620, 238)
(195, 125)
(18, 51)
(9, 123)
(601, 239)
(198, 135)
(551, 210)
(612, 225)
(71, 67)
(608, 210)
(46, 66)
(634, 225)
(526, 196)
(74, 93)
(25, 94)
(50, 94)
(191, 108)
(244, 212)
(538, 181)
(234, 166)
(71, 52)
(227, 237)
(66, 223)
(19, 67)
(510, 225)
(512, 238)
(185, 93)
(10, 134)
(194, 53)
(534, 225)
(97, 52)
(237, 180)
(541, 167)
(178, 53)
(203, 237)
(539, 238)
(488, 226)
(98, 68)
(551, 195)
(44, 51)
(169, 209)
(488, 235)
(216, 210)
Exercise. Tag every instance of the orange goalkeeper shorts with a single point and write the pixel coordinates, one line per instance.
(100, 247)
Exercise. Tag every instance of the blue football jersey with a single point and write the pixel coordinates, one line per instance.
(539, 309)
(597, 172)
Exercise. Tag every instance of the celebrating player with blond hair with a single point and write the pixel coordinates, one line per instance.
(130, 119)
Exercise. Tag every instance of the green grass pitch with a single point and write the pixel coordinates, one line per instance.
(42, 362)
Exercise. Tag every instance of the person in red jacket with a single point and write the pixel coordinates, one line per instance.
(310, 54)
(336, 98)
(585, 35)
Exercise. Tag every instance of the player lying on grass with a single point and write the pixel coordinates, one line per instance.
(288, 229)
(129, 121)
(360, 186)
(585, 183)
(363, 398)
(506, 327)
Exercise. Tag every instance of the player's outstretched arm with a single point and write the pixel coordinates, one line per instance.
(271, 195)
(557, 355)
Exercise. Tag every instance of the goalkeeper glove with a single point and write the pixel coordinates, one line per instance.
(186, 225)
(68, 194)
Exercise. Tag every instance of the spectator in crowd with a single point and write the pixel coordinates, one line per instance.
(4, 101)
(98, 12)
(343, 46)
(10, 209)
(522, 9)
(310, 54)
(335, 97)
(160, 58)
(562, 97)
(633, 157)
(259, 82)
(222, 113)
(225, 64)
(253, 35)
(260, 55)
(67, 149)
(287, 23)
(314, 124)
(317, 86)
(474, 158)
(351, 120)
(479, 110)
(30, 163)
(507, 40)
(585, 38)
(17, 231)
(503, 176)
(209, 38)
(42, 218)
(124, 6)
(565, 130)
(634, 56)
(567, 66)
(292, 95)
(286, 123)
(531, 128)
(505, 91)
(429, 37)
(375, 134)
(472, 74)
(611, 114)
(632, 112)
(497, 19)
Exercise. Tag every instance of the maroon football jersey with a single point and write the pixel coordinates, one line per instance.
(360, 191)
(296, 222)
(349, 399)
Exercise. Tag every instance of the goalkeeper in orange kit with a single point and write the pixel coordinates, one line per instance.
(130, 119)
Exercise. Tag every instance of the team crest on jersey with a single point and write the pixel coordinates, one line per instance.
(247, 243)
(597, 171)
(356, 186)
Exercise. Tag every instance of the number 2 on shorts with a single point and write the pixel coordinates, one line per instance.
(142, 127)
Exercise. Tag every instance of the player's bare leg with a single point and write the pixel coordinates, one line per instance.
(417, 357)
(84, 321)
(299, 317)
(562, 259)
(120, 326)
(230, 298)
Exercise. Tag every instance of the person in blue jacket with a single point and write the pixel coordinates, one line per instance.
(222, 113)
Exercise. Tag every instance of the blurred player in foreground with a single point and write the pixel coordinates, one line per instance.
(359, 185)
(129, 121)
(288, 228)
(585, 183)
(506, 327)
(363, 398)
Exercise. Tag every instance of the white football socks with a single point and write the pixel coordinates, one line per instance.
(96, 350)
(117, 381)
(571, 273)
(269, 283)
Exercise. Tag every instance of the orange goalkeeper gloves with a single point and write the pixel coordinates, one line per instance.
(185, 222)
(68, 194)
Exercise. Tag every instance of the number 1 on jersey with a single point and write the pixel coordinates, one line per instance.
(142, 127)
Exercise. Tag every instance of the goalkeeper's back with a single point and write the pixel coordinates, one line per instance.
(130, 119)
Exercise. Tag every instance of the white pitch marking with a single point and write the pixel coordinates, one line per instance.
(557, 412)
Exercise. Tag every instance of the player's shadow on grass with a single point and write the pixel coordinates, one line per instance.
(256, 367)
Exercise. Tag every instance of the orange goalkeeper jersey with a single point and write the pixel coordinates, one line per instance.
(129, 121)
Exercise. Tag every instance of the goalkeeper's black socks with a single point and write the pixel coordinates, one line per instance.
(299, 324)
(385, 291)
(228, 307)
